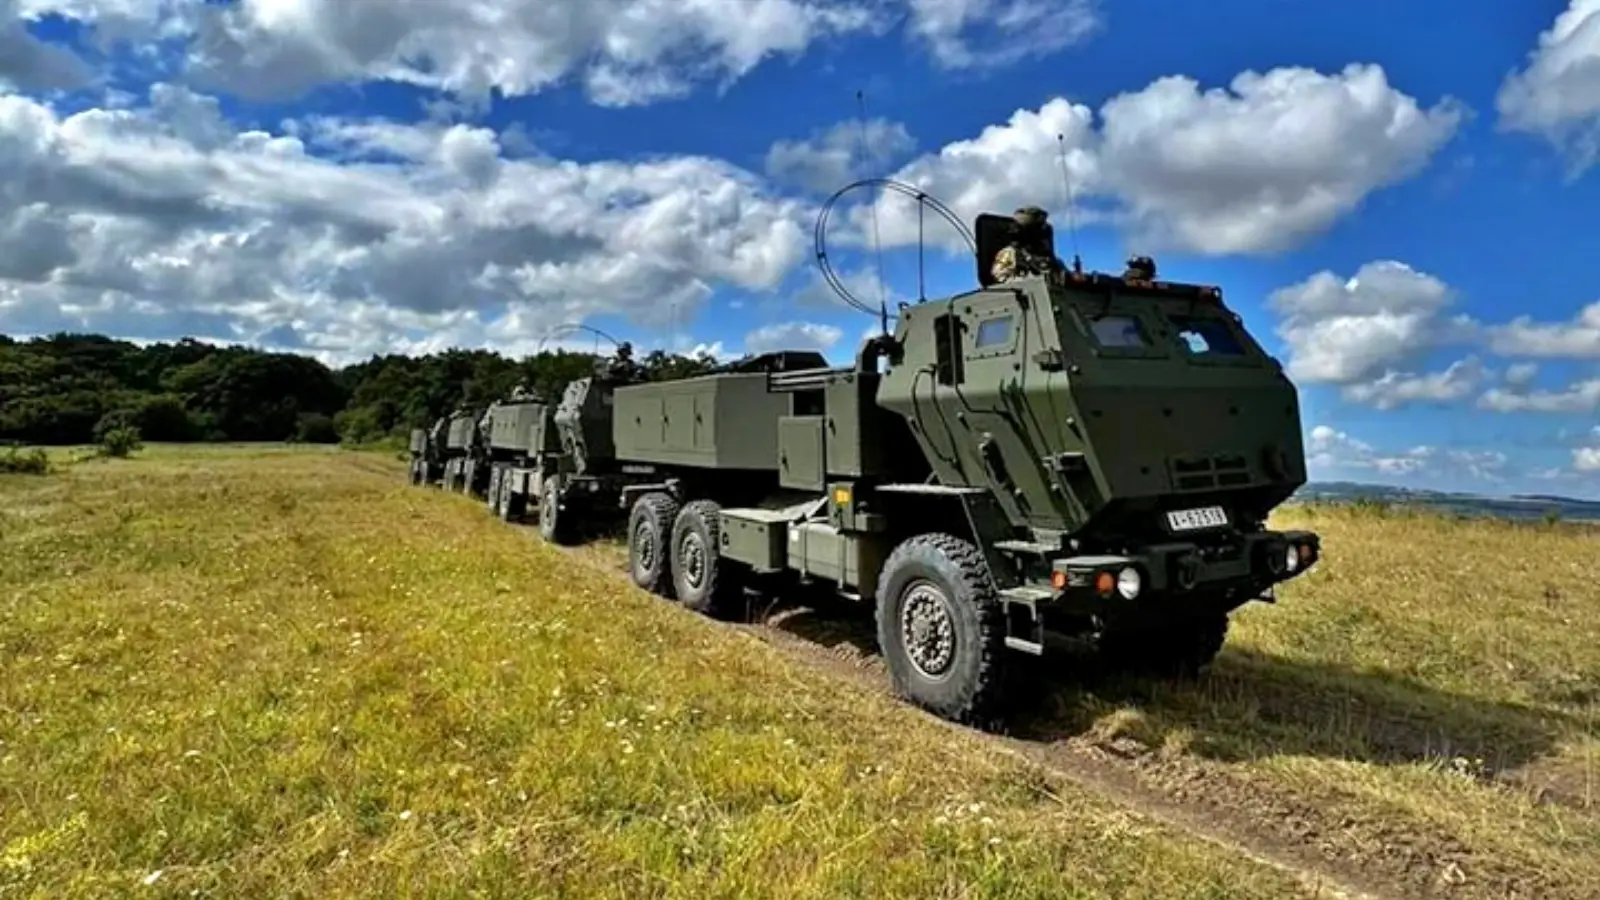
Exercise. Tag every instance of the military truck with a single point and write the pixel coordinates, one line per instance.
(519, 436)
(1076, 452)
(446, 455)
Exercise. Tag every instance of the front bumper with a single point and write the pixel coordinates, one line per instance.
(1254, 563)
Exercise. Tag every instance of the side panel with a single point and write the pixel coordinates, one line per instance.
(727, 421)
(852, 561)
(460, 434)
(801, 464)
(754, 538)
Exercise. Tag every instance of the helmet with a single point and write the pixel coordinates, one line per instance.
(1030, 216)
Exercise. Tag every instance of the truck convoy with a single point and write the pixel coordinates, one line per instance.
(1077, 452)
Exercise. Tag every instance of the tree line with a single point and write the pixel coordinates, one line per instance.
(76, 388)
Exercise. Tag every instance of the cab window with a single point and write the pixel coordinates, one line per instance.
(1112, 330)
(1204, 336)
(993, 333)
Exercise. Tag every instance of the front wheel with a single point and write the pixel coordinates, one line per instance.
(942, 628)
(553, 524)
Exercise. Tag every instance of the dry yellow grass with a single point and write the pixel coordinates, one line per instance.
(269, 672)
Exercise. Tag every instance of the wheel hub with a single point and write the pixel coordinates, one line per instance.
(644, 540)
(927, 630)
(692, 554)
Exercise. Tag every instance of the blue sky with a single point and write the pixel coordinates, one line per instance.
(1400, 203)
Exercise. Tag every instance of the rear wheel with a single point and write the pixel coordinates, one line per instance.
(702, 581)
(650, 526)
(469, 474)
(942, 628)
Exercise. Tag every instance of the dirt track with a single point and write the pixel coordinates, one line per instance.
(1335, 852)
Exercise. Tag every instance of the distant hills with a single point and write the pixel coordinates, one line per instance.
(1515, 506)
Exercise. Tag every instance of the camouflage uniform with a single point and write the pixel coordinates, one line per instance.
(1027, 254)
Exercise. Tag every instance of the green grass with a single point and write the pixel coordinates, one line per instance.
(255, 672)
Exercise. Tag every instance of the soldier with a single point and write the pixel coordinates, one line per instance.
(521, 391)
(622, 367)
(1140, 268)
(1028, 253)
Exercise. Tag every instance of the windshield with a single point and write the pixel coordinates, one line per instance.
(1207, 336)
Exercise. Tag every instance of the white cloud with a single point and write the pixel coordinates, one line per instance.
(1014, 29)
(1580, 397)
(1521, 374)
(1263, 165)
(1557, 95)
(1332, 452)
(29, 63)
(792, 336)
(622, 52)
(1586, 459)
(165, 220)
(1360, 333)
(1396, 389)
(830, 159)
(1577, 339)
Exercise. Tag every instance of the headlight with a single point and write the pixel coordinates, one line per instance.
(1291, 558)
(1129, 583)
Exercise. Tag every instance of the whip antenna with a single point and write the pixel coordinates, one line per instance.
(1072, 206)
(877, 246)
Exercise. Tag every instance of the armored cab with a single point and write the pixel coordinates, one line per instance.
(464, 467)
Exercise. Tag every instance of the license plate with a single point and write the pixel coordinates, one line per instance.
(1192, 519)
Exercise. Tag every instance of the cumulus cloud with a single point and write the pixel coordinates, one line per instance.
(792, 336)
(1586, 459)
(1575, 339)
(964, 34)
(28, 63)
(1580, 397)
(1260, 166)
(829, 159)
(621, 52)
(1557, 95)
(356, 237)
(1396, 389)
(1362, 333)
(1333, 451)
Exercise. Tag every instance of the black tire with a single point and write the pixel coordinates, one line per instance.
(650, 527)
(1180, 650)
(469, 473)
(948, 580)
(701, 579)
(553, 525)
(502, 496)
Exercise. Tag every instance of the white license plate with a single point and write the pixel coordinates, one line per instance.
(1191, 519)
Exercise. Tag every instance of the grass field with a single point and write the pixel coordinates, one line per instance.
(276, 672)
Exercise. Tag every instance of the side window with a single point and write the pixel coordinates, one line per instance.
(1204, 336)
(993, 333)
(1117, 331)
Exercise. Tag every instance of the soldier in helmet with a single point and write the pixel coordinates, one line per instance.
(1029, 252)
(1140, 268)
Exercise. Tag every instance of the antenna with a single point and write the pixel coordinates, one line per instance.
(877, 246)
(1072, 206)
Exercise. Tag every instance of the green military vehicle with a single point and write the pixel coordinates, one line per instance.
(1075, 452)
(520, 443)
(447, 454)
